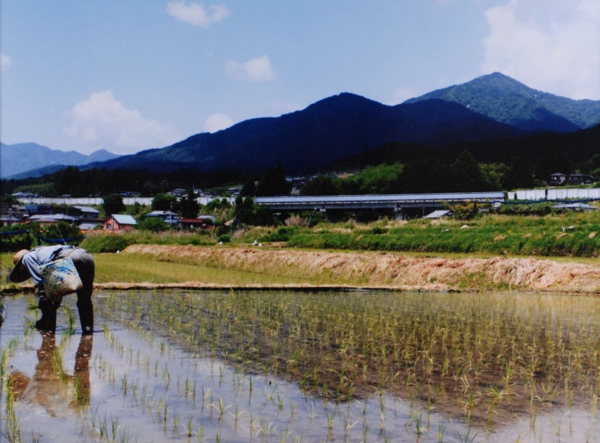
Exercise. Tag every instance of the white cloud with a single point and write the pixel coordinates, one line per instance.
(555, 49)
(5, 61)
(103, 122)
(196, 13)
(256, 70)
(216, 122)
(590, 8)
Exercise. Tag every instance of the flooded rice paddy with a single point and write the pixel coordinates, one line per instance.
(210, 366)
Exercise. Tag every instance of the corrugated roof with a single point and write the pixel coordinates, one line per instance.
(438, 214)
(400, 198)
(376, 201)
(124, 219)
(87, 209)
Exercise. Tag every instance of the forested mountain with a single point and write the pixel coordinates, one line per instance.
(320, 135)
(492, 108)
(498, 164)
(506, 100)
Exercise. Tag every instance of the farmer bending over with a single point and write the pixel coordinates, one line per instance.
(27, 265)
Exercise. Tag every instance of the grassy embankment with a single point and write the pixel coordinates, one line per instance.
(571, 234)
(336, 254)
(439, 254)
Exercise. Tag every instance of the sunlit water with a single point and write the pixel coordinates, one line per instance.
(129, 386)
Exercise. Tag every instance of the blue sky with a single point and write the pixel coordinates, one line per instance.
(128, 75)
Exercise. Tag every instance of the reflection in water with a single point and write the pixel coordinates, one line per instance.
(51, 387)
(151, 384)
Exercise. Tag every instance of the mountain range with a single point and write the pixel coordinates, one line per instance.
(25, 158)
(491, 107)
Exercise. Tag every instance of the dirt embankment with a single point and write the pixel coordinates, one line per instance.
(391, 270)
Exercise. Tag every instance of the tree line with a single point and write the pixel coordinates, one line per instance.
(394, 168)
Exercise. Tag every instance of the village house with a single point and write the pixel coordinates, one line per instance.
(85, 213)
(169, 217)
(200, 222)
(119, 222)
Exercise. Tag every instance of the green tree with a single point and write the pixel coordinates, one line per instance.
(244, 209)
(16, 237)
(249, 188)
(152, 224)
(381, 179)
(467, 174)
(189, 205)
(164, 202)
(428, 174)
(273, 182)
(45, 189)
(553, 159)
(320, 185)
(494, 174)
(218, 204)
(518, 175)
(592, 166)
(68, 181)
(247, 212)
(61, 232)
(113, 204)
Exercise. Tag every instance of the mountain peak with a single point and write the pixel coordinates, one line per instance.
(504, 83)
(497, 76)
(509, 101)
(343, 102)
(345, 97)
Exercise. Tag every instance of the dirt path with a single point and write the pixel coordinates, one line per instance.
(391, 270)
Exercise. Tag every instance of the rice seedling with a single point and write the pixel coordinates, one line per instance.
(439, 344)
(70, 329)
(441, 432)
(176, 421)
(394, 359)
(12, 430)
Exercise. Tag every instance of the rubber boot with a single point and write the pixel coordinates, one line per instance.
(48, 320)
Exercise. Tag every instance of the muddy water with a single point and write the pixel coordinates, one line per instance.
(133, 385)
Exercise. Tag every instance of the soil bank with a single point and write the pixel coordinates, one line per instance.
(385, 270)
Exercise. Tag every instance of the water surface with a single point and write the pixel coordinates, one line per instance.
(133, 383)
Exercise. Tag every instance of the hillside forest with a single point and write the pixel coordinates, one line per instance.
(393, 168)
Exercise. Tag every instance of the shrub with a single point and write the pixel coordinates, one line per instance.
(282, 234)
(60, 233)
(224, 238)
(13, 238)
(295, 220)
(465, 211)
(107, 243)
(152, 224)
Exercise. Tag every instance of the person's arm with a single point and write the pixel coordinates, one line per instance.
(30, 261)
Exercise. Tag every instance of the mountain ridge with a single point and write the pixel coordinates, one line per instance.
(490, 107)
(318, 136)
(19, 158)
